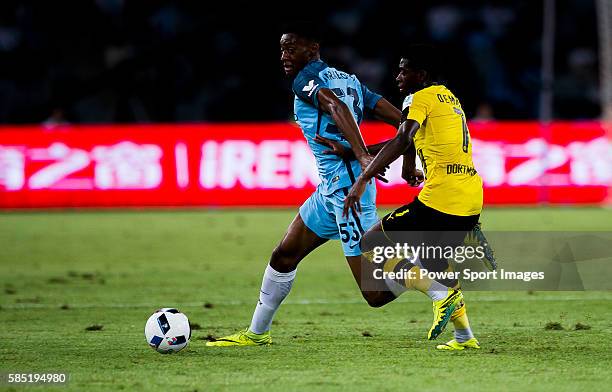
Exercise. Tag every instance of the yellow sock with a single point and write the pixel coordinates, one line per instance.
(418, 283)
(463, 332)
(395, 286)
(433, 289)
(460, 318)
(450, 268)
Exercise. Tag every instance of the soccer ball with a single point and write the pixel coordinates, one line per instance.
(167, 331)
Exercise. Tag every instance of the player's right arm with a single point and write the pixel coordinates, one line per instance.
(344, 120)
(309, 87)
(410, 173)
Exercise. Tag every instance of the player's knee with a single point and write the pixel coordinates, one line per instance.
(283, 259)
(374, 298)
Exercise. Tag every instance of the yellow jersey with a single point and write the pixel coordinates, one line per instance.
(442, 143)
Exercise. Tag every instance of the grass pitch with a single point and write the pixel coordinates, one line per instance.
(63, 272)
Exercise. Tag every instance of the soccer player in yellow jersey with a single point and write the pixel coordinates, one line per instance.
(448, 206)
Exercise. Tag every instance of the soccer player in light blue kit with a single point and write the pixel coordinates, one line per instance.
(329, 104)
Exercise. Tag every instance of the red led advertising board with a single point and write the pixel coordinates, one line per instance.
(270, 164)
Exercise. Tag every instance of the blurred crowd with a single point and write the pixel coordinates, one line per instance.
(91, 61)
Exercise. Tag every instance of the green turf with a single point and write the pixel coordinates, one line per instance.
(115, 268)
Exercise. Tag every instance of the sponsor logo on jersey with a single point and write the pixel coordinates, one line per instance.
(310, 87)
(398, 214)
(457, 168)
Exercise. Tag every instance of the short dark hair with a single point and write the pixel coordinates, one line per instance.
(421, 57)
(307, 30)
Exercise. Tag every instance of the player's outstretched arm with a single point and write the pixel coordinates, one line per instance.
(393, 149)
(410, 173)
(391, 115)
(388, 113)
(336, 148)
(383, 111)
(345, 121)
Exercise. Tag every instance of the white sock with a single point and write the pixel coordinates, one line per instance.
(394, 287)
(463, 335)
(437, 291)
(274, 288)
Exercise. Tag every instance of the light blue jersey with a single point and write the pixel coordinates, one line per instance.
(333, 171)
(322, 212)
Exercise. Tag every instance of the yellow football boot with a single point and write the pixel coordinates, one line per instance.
(454, 345)
(442, 311)
(242, 338)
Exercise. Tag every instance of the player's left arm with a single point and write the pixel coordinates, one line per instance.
(383, 110)
(387, 113)
(410, 173)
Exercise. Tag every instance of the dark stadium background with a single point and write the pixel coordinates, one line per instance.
(107, 61)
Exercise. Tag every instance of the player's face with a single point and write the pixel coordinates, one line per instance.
(408, 79)
(295, 53)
